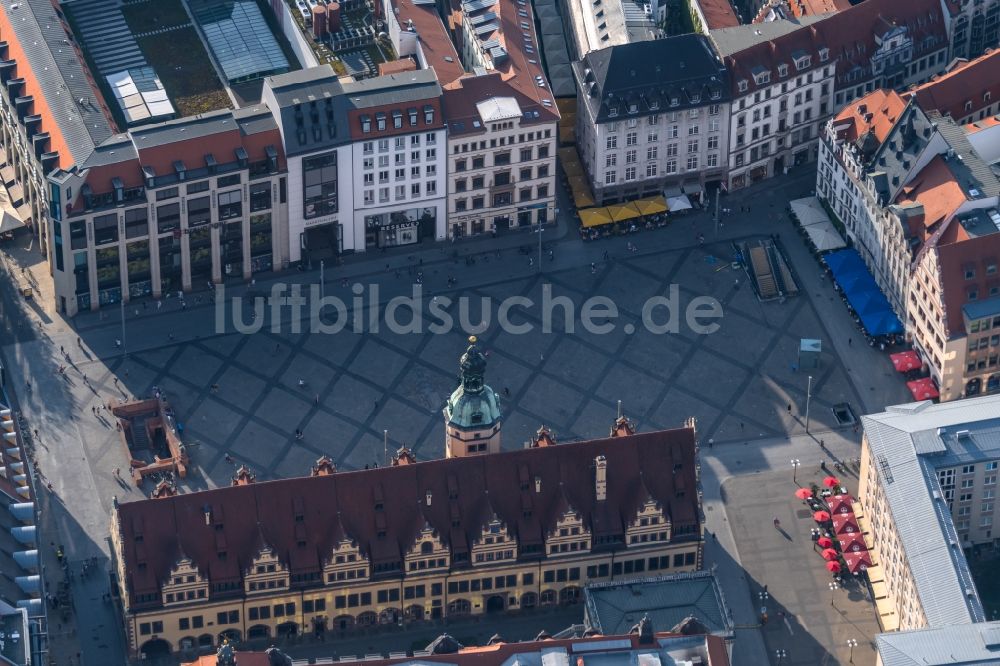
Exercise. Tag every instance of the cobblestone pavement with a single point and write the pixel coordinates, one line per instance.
(739, 383)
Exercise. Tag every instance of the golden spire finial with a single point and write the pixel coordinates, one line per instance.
(472, 339)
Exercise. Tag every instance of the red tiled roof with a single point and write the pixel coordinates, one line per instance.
(876, 112)
(302, 518)
(438, 50)
(502, 653)
(396, 66)
(460, 101)
(770, 54)
(800, 8)
(15, 51)
(850, 34)
(718, 14)
(936, 189)
(976, 82)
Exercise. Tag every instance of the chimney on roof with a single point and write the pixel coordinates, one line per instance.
(622, 427)
(207, 509)
(538, 484)
(601, 478)
(428, 497)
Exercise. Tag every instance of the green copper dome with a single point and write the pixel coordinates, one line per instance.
(473, 405)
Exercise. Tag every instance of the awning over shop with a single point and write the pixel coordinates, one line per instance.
(7, 173)
(622, 212)
(570, 161)
(879, 590)
(9, 223)
(651, 205)
(840, 504)
(863, 293)
(906, 361)
(844, 525)
(923, 389)
(24, 212)
(594, 217)
(857, 561)
(679, 203)
(810, 214)
(582, 196)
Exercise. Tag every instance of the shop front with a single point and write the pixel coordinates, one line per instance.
(398, 228)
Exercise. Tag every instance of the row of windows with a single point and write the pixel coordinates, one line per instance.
(521, 138)
(368, 147)
(501, 199)
(428, 189)
(499, 159)
(652, 169)
(399, 159)
(264, 612)
(171, 597)
(399, 174)
(653, 152)
(500, 178)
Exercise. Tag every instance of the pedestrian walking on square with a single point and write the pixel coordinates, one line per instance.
(506, 392)
(849, 341)
(317, 399)
(789, 408)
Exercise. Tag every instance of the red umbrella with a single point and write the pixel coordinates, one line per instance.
(803, 493)
(829, 554)
(833, 567)
(821, 516)
(824, 542)
(831, 482)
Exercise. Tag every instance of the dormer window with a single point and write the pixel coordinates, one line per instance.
(633, 108)
(716, 95)
(366, 124)
(968, 105)
(742, 85)
(428, 114)
(802, 62)
(655, 104)
(613, 111)
(782, 69)
(824, 54)
(762, 78)
(397, 119)
(986, 97)
(380, 121)
(413, 117)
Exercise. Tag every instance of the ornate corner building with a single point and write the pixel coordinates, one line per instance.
(481, 531)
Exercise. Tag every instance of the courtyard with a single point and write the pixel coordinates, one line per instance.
(363, 395)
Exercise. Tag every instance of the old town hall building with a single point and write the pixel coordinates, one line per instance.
(476, 532)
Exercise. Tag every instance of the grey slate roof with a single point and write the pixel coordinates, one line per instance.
(897, 157)
(968, 645)
(614, 608)
(61, 76)
(396, 89)
(984, 308)
(909, 443)
(971, 170)
(733, 40)
(182, 129)
(651, 72)
(294, 95)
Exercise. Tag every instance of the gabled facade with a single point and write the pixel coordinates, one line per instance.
(455, 536)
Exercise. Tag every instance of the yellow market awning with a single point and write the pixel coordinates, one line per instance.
(886, 615)
(572, 168)
(651, 205)
(594, 217)
(582, 197)
(622, 212)
(879, 590)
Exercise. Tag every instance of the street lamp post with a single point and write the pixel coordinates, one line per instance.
(322, 282)
(539, 247)
(780, 655)
(833, 589)
(808, 400)
(852, 643)
(795, 469)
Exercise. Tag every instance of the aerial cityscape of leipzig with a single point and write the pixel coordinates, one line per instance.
(499, 332)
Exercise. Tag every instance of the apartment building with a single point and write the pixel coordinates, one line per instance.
(501, 157)
(782, 92)
(164, 207)
(967, 91)
(975, 26)
(927, 487)
(366, 160)
(473, 533)
(885, 44)
(652, 115)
